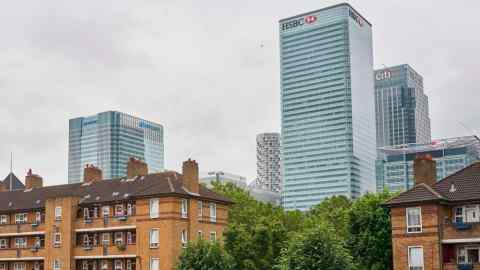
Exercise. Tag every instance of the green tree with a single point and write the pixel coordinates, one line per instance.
(316, 248)
(369, 232)
(204, 255)
(335, 212)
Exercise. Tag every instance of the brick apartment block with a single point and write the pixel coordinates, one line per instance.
(140, 222)
(436, 225)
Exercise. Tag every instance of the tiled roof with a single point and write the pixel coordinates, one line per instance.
(16, 183)
(463, 185)
(105, 191)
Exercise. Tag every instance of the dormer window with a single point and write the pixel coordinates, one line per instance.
(414, 220)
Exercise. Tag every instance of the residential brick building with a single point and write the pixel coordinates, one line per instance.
(140, 222)
(436, 225)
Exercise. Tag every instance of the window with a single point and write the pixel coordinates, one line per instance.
(118, 238)
(154, 208)
(3, 219)
(56, 265)
(58, 213)
(57, 239)
(468, 255)
(184, 238)
(37, 242)
(131, 238)
(458, 215)
(19, 266)
(86, 213)
(3, 266)
(38, 217)
(118, 265)
(106, 211)
(86, 241)
(20, 242)
(104, 265)
(471, 213)
(119, 210)
(154, 264)
(129, 211)
(213, 212)
(3, 243)
(85, 265)
(414, 220)
(213, 236)
(200, 235)
(36, 266)
(200, 209)
(415, 258)
(130, 265)
(184, 208)
(154, 238)
(21, 218)
(106, 239)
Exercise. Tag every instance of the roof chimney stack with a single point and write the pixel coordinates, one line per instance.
(190, 176)
(425, 170)
(136, 167)
(91, 174)
(33, 180)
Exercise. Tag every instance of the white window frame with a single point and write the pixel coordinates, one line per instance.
(58, 213)
(465, 255)
(3, 243)
(86, 213)
(475, 210)
(105, 211)
(23, 243)
(19, 266)
(57, 239)
(184, 208)
(413, 229)
(38, 217)
(213, 236)
(118, 238)
(129, 265)
(200, 209)
(184, 238)
(455, 215)
(3, 266)
(119, 210)
(36, 266)
(200, 234)
(154, 243)
(154, 208)
(104, 265)
(56, 264)
(213, 212)
(129, 209)
(3, 219)
(117, 266)
(85, 265)
(86, 241)
(106, 239)
(130, 238)
(157, 260)
(21, 218)
(410, 267)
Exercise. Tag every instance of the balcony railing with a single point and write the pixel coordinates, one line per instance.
(22, 252)
(103, 222)
(106, 250)
(21, 228)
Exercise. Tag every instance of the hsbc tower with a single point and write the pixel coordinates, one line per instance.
(328, 106)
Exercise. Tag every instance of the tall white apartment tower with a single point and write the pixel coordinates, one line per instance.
(269, 170)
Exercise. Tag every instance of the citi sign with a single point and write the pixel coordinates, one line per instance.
(383, 75)
(311, 19)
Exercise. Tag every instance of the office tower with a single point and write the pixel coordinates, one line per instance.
(222, 177)
(328, 106)
(269, 169)
(401, 107)
(107, 140)
(395, 164)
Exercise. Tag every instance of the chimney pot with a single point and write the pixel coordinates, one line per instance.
(425, 170)
(190, 175)
(33, 180)
(136, 167)
(92, 174)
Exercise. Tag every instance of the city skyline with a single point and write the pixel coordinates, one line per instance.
(44, 67)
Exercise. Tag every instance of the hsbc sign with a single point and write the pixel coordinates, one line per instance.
(311, 19)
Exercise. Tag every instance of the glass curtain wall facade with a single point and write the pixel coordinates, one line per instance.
(395, 165)
(328, 110)
(107, 140)
(401, 107)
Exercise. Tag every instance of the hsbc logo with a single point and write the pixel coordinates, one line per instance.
(311, 19)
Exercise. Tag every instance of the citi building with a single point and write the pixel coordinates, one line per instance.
(107, 140)
(328, 110)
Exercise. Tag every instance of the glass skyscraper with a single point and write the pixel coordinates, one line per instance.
(395, 164)
(328, 106)
(108, 139)
(401, 107)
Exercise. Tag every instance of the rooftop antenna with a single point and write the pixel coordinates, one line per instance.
(11, 171)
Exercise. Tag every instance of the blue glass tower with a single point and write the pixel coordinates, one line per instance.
(328, 110)
(108, 139)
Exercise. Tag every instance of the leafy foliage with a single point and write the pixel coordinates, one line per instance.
(203, 255)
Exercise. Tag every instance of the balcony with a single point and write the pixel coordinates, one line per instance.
(93, 223)
(26, 228)
(12, 253)
(99, 251)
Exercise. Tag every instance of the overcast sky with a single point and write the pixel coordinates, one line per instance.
(208, 70)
